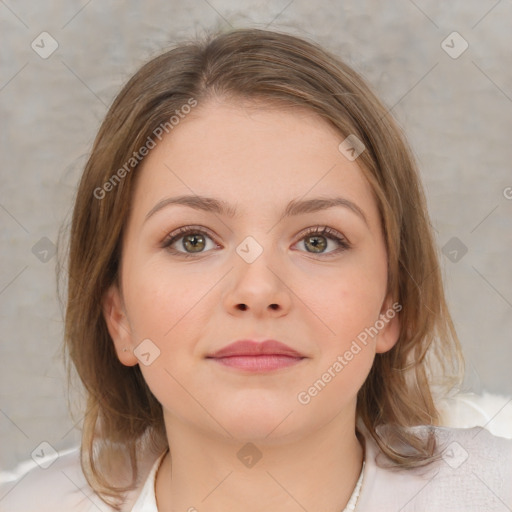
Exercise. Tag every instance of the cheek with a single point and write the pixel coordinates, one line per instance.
(161, 301)
(350, 300)
(349, 310)
(163, 307)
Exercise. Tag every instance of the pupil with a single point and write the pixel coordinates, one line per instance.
(318, 243)
(195, 241)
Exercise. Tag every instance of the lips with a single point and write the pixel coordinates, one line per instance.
(249, 348)
(253, 357)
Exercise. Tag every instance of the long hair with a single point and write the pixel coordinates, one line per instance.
(122, 415)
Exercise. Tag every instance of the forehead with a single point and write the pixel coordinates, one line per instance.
(254, 156)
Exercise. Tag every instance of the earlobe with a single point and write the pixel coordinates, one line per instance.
(118, 326)
(390, 321)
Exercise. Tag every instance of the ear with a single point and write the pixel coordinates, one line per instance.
(388, 335)
(118, 325)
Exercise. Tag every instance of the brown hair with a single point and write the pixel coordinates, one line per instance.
(277, 68)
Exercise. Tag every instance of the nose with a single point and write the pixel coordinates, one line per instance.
(260, 288)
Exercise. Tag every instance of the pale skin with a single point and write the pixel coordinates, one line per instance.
(256, 160)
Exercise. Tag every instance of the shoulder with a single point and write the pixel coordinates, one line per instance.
(53, 485)
(59, 486)
(473, 473)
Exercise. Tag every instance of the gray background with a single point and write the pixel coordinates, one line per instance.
(456, 112)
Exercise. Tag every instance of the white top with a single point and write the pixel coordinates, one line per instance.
(146, 501)
(474, 473)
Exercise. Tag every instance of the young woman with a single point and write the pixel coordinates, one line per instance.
(255, 305)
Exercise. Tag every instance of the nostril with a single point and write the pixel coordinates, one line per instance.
(243, 307)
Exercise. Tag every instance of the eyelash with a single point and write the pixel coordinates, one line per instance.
(325, 231)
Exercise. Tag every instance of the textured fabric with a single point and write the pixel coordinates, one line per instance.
(473, 474)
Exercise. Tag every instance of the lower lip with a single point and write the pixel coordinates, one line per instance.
(263, 363)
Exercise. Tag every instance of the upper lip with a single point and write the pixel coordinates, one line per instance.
(255, 348)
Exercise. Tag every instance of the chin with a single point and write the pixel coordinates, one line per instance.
(265, 425)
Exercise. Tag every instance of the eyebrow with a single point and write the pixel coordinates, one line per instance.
(294, 207)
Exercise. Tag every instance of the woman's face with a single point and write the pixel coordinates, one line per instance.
(253, 274)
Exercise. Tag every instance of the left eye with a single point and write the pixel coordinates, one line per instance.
(194, 241)
(317, 239)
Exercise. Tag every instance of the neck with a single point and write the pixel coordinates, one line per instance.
(316, 472)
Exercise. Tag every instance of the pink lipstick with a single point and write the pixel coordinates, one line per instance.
(252, 356)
